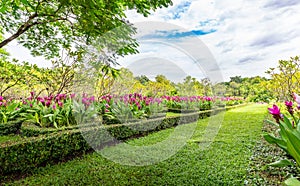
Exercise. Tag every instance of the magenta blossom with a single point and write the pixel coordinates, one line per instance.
(275, 111)
(1, 98)
(288, 103)
(48, 103)
(60, 104)
(72, 96)
(289, 106)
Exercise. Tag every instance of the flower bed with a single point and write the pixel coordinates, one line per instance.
(62, 110)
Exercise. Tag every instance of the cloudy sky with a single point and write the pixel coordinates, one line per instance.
(212, 38)
(245, 37)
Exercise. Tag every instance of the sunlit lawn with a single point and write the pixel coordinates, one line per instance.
(224, 162)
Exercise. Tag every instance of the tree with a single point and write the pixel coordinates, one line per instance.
(125, 83)
(106, 77)
(45, 27)
(237, 79)
(285, 78)
(207, 86)
(59, 78)
(190, 86)
(3, 52)
(142, 79)
(219, 89)
(14, 74)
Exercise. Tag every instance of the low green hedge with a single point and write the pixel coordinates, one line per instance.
(30, 130)
(56, 146)
(11, 127)
(25, 155)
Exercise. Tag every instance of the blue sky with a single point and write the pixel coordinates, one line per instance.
(244, 37)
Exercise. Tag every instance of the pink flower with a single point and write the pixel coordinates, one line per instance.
(60, 104)
(72, 96)
(288, 103)
(275, 111)
(48, 103)
(92, 99)
(1, 98)
(289, 106)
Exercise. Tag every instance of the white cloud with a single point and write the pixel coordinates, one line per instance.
(250, 37)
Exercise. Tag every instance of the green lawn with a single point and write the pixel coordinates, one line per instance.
(224, 162)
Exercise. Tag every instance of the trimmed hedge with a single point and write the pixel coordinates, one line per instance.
(23, 156)
(11, 127)
(175, 110)
(38, 151)
(31, 130)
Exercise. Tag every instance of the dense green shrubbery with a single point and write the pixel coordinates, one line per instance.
(11, 127)
(27, 154)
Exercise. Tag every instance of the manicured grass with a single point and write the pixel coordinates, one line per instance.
(224, 162)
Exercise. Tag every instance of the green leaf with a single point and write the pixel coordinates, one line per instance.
(293, 145)
(37, 118)
(48, 115)
(55, 124)
(281, 163)
(272, 122)
(291, 182)
(273, 140)
(286, 122)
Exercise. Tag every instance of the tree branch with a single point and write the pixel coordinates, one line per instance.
(20, 31)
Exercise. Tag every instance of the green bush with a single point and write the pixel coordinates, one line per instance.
(25, 155)
(11, 127)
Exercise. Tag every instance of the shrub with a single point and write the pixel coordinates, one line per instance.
(11, 127)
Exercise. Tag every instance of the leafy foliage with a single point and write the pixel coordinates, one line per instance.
(288, 133)
(285, 78)
(46, 27)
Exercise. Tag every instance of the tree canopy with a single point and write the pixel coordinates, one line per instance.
(45, 27)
